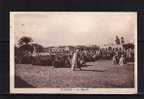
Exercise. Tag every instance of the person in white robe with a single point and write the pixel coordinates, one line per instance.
(122, 60)
(74, 60)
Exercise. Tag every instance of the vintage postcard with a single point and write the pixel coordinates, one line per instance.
(73, 52)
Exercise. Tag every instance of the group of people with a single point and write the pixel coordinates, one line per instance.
(117, 55)
(124, 56)
(78, 57)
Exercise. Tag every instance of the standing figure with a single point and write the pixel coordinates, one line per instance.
(122, 60)
(75, 60)
(81, 59)
(114, 59)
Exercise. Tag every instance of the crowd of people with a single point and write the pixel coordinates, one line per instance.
(79, 57)
(74, 56)
(117, 55)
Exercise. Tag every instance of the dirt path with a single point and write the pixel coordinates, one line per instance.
(99, 74)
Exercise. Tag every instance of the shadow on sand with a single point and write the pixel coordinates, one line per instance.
(91, 70)
(86, 65)
(19, 83)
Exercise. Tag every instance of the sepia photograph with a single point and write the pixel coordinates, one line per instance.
(73, 52)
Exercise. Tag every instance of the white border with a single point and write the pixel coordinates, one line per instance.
(14, 90)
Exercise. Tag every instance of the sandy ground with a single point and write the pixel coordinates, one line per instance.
(99, 74)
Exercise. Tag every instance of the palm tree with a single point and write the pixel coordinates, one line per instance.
(25, 49)
(24, 44)
(24, 41)
(117, 40)
(122, 40)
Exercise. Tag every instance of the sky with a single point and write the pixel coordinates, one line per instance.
(74, 28)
